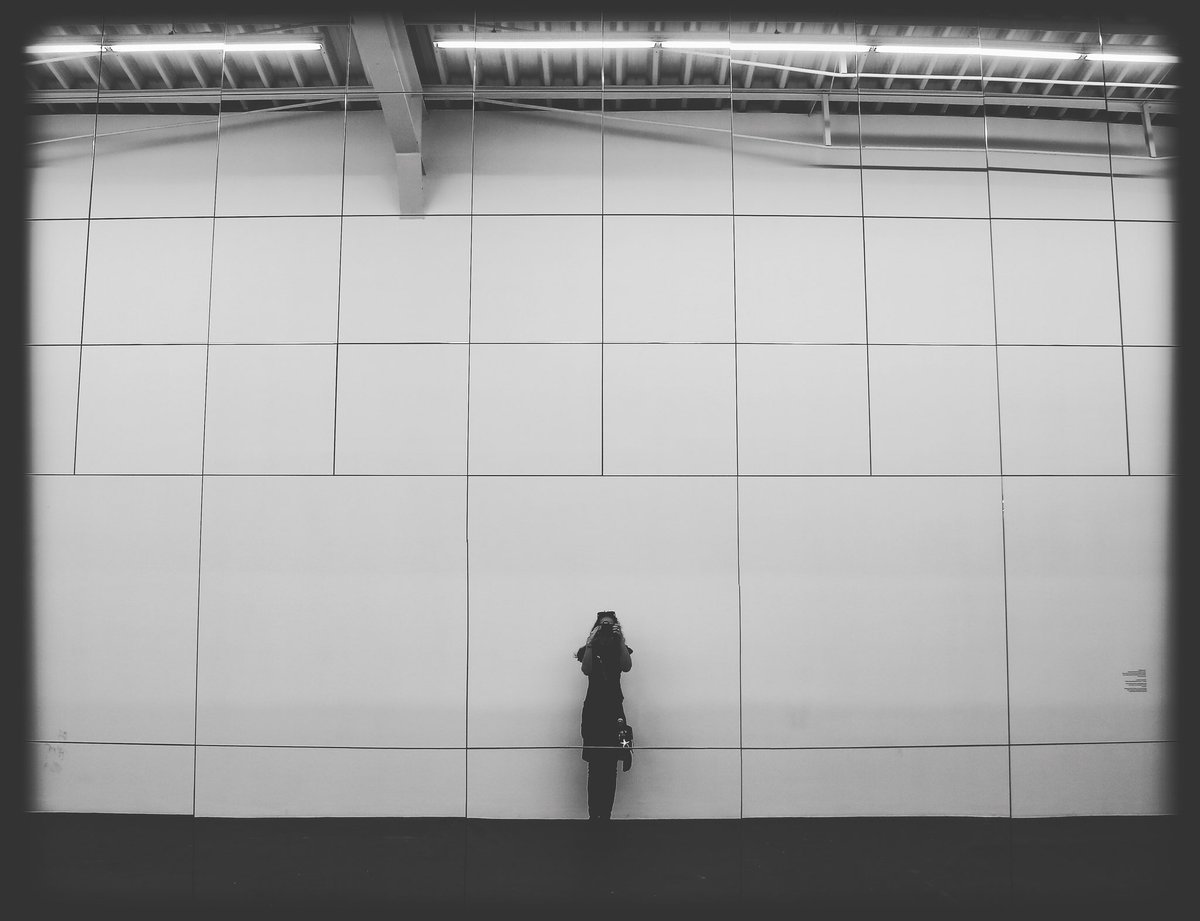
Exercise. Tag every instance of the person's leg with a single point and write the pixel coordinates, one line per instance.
(594, 784)
(610, 786)
(602, 785)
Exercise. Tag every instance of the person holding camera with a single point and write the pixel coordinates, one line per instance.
(603, 658)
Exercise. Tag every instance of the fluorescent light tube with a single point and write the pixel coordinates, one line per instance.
(816, 47)
(565, 44)
(128, 47)
(627, 43)
(972, 50)
(1029, 53)
(62, 49)
(1133, 58)
(926, 49)
(690, 44)
(153, 47)
(159, 47)
(729, 45)
(271, 46)
(726, 44)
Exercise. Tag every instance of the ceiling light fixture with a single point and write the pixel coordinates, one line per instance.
(731, 45)
(159, 47)
(972, 50)
(565, 44)
(820, 47)
(695, 44)
(1133, 58)
(62, 49)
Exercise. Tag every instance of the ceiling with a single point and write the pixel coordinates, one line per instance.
(365, 55)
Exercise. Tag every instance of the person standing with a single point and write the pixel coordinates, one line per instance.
(603, 658)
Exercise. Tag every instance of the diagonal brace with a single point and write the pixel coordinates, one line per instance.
(388, 61)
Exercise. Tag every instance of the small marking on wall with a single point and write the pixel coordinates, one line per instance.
(1135, 679)
(53, 759)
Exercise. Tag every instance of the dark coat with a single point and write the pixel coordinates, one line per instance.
(602, 705)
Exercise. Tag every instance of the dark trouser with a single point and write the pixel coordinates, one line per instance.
(602, 784)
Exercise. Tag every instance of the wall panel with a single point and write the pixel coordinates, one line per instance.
(862, 424)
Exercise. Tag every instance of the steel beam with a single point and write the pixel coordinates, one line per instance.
(388, 61)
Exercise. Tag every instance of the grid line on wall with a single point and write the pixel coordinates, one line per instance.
(87, 242)
(345, 101)
(467, 463)
(1050, 219)
(337, 335)
(1000, 462)
(929, 746)
(708, 342)
(1112, 193)
(603, 234)
(203, 451)
(862, 218)
(656, 476)
(737, 480)
(712, 342)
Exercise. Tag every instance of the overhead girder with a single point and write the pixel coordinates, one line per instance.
(389, 64)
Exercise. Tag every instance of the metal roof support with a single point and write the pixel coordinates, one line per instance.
(388, 61)
(825, 116)
(1148, 130)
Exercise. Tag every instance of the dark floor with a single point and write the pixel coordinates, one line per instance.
(172, 865)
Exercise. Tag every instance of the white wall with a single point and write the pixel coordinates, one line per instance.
(868, 448)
